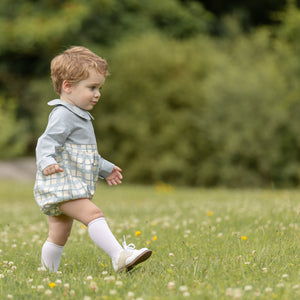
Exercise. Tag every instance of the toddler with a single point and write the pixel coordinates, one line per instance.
(69, 163)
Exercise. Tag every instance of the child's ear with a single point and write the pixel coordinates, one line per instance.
(67, 86)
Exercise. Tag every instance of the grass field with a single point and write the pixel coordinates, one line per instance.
(207, 244)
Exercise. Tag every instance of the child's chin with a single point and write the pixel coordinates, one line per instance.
(89, 107)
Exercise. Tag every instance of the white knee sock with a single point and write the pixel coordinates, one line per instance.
(103, 237)
(51, 255)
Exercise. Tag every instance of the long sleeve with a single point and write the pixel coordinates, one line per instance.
(57, 131)
(105, 167)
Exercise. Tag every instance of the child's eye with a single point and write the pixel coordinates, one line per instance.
(95, 88)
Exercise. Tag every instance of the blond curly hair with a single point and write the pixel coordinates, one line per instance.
(74, 65)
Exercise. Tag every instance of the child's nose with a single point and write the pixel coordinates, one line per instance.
(97, 94)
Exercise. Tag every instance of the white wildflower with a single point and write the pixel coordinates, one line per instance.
(183, 288)
(40, 288)
(58, 282)
(119, 283)
(228, 292)
(237, 293)
(171, 285)
(93, 286)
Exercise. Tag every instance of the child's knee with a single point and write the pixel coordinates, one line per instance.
(96, 214)
(59, 230)
(59, 238)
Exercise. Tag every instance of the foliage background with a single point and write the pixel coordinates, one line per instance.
(201, 93)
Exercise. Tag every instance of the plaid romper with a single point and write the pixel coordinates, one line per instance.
(70, 142)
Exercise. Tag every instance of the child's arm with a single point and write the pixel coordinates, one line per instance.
(57, 130)
(105, 167)
(115, 176)
(109, 172)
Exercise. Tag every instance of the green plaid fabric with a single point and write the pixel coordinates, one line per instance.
(81, 167)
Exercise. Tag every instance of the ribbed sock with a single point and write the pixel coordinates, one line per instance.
(103, 237)
(51, 255)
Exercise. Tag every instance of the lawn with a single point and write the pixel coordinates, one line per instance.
(207, 244)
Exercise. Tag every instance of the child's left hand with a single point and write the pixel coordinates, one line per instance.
(115, 177)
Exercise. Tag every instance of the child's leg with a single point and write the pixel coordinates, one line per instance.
(90, 215)
(59, 231)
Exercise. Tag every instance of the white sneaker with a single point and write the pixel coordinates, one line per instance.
(130, 257)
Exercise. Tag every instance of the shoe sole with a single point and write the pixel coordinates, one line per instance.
(144, 256)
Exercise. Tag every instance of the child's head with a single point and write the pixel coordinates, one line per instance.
(74, 64)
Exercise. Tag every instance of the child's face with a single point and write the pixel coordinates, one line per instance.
(86, 93)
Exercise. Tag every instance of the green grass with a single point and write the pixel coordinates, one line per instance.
(212, 244)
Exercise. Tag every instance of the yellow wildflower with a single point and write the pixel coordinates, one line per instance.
(52, 285)
(244, 238)
(137, 233)
(209, 213)
(155, 238)
(164, 188)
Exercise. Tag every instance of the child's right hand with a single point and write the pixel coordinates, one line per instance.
(55, 168)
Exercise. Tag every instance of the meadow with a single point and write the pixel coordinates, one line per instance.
(207, 244)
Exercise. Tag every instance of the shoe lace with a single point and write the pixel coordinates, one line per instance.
(129, 246)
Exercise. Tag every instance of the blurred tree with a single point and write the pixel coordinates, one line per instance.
(181, 105)
(152, 106)
(32, 32)
(219, 109)
(252, 110)
(14, 135)
(255, 12)
(113, 20)
(246, 118)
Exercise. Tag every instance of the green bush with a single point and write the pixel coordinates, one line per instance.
(152, 104)
(180, 106)
(14, 137)
(247, 118)
(203, 111)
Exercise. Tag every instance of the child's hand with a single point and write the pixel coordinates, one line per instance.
(52, 169)
(115, 177)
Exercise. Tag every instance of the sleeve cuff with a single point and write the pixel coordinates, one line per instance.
(46, 162)
(105, 168)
